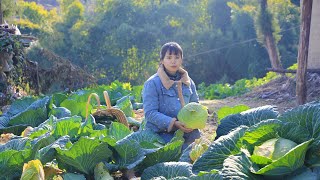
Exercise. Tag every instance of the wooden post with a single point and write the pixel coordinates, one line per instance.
(301, 88)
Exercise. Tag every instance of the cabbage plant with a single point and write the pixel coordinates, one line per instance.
(259, 144)
(274, 148)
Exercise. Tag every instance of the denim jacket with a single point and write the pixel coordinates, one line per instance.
(161, 105)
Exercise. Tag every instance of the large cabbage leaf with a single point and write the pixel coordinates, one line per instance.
(20, 105)
(308, 118)
(48, 153)
(87, 126)
(305, 174)
(34, 115)
(15, 144)
(81, 95)
(11, 162)
(12, 156)
(273, 128)
(56, 99)
(247, 118)
(73, 176)
(129, 152)
(125, 105)
(212, 175)
(16, 129)
(47, 126)
(146, 138)
(239, 166)
(219, 150)
(288, 163)
(67, 126)
(261, 132)
(167, 153)
(84, 154)
(167, 170)
(76, 108)
(4, 120)
(42, 141)
(185, 156)
(170, 152)
(294, 132)
(226, 110)
(60, 112)
(118, 131)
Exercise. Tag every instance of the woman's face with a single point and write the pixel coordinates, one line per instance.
(172, 62)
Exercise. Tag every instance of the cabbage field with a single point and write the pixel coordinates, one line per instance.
(49, 137)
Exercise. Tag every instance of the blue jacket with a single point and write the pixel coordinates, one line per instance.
(161, 105)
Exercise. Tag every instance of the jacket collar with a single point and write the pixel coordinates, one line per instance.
(167, 82)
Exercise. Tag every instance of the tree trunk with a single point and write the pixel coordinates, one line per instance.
(301, 88)
(272, 51)
(269, 40)
(1, 13)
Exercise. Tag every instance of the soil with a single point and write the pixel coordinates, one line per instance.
(279, 92)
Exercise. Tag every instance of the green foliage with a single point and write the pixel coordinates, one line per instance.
(35, 19)
(120, 39)
(220, 91)
(33, 12)
(135, 67)
(9, 43)
(226, 110)
(125, 105)
(8, 8)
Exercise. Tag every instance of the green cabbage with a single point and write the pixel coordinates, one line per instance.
(274, 148)
(193, 115)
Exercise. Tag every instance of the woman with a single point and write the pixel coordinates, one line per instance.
(161, 100)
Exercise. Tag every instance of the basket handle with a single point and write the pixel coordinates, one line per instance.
(107, 99)
(88, 102)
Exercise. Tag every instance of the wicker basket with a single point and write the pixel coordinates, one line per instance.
(110, 111)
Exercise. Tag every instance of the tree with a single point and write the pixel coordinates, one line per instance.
(7, 9)
(220, 14)
(301, 89)
(265, 24)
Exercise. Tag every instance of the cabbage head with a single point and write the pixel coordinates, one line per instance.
(193, 115)
(274, 148)
(199, 147)
(33, 170)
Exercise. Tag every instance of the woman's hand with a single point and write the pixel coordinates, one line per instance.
(181, 126)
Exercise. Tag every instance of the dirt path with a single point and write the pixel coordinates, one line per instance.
(252, 102)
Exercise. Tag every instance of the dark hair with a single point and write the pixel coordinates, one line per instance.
(172, 47)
